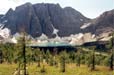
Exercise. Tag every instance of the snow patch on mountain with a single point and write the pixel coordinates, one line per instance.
(85, 25)
(42, 37)
(4, 32)
(1, 26)
(17, 35)
(55, 31)
(5, 21)
(81, 19)
(2, 17)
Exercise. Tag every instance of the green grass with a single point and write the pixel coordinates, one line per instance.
(71, 69)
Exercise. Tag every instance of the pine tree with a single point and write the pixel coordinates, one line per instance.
(63, 57)
(112, 52)
(78, 57)
(93, 60)
(1, 56)
(24, 53)
(37, 56)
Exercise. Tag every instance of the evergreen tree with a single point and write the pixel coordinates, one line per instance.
(63, 57)
(93, 60)
(29, 55)
(1, 57)
(47, 56)
(37, 56)
(7, 50)
(112, 52)
(78, 56)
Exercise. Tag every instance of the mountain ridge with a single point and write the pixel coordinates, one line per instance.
(39, 18)
(102, 24)
(53, 20)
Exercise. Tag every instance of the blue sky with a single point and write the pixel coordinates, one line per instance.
(89, 8)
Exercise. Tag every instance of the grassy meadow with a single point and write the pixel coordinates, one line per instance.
(71, 69)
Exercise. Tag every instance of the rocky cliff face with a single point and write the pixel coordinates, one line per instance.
(102, 24)
(49, 19)
(52, 20)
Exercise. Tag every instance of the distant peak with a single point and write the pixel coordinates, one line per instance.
(10, 11)
(28, 3)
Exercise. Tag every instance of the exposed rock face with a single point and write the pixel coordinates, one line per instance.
(102, 24)
(43, 18)
(51, 20)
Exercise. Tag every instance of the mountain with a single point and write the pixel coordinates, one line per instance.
(44, 18)
(101, 25)
(53, 20)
